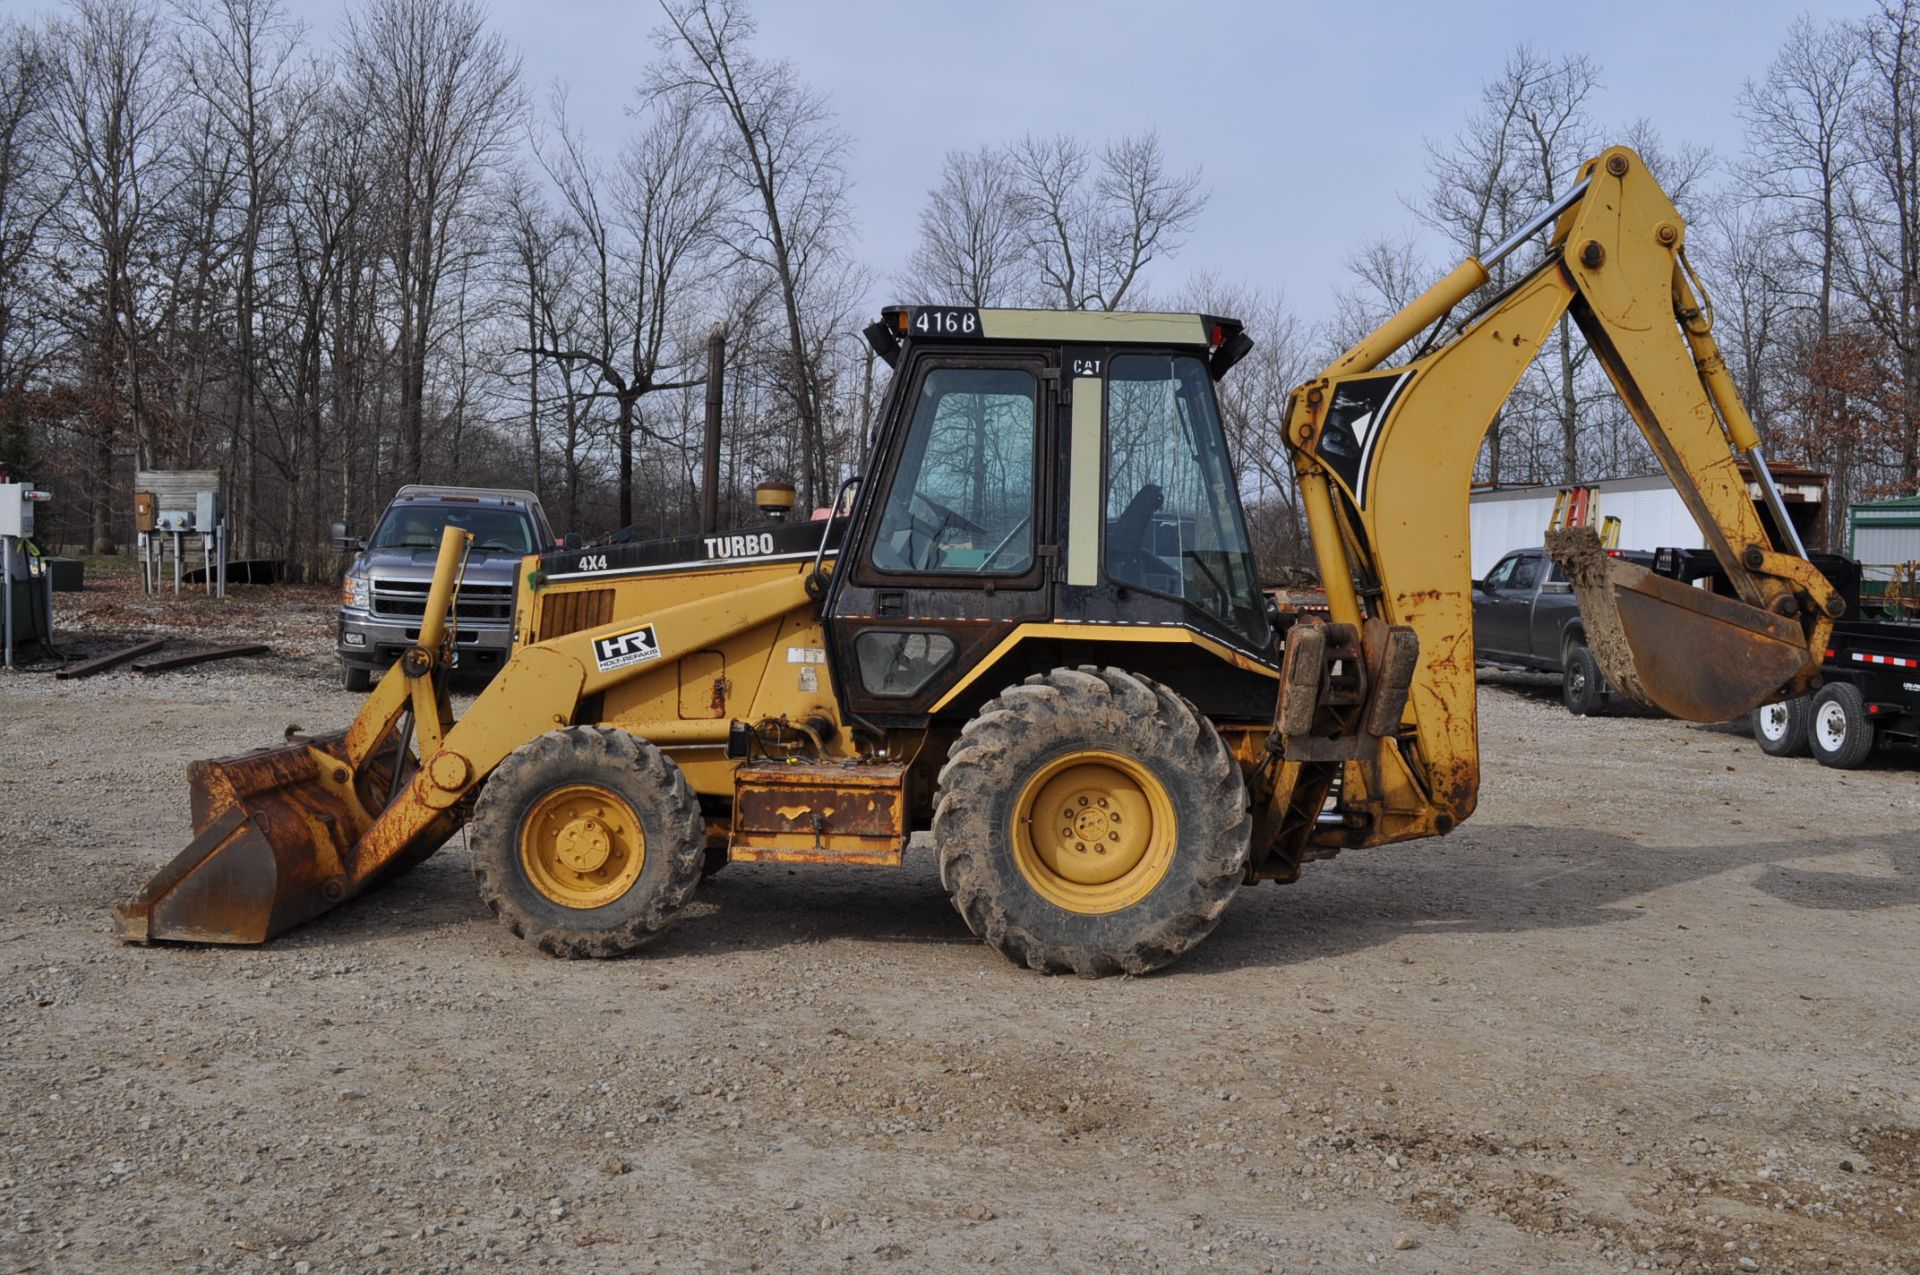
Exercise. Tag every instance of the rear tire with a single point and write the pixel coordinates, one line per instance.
(1781, 729)
(356, 678)
(1148, 844)
(587, 842)
(1838, 728)
(1581, 683)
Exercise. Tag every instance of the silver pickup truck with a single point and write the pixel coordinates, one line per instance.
(384, 593)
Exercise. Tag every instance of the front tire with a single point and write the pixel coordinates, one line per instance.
(1838, 729)
(1091, 821)
(1581, 683)
(1781, 729)
(587, 842)
(356, 678)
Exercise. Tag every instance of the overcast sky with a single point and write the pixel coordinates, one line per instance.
(1307, 121)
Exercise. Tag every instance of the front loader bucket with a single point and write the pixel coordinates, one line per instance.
(274, 834)
(1681, 650)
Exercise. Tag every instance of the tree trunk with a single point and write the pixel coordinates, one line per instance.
(1569, 406)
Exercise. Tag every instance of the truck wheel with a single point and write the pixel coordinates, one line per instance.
(1838, 729)
(587, 841)
(1581, 682)
(1089, 820)
(1781, 729)
(357, 678)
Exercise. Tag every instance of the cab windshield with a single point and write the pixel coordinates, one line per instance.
(1173, 513)
(418, 527)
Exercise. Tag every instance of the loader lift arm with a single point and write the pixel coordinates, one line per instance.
(1384, 458)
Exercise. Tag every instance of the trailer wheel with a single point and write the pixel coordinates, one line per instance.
(1781, 729)
(1838, 729)
(587, 842)
(1089, 820)
(1581, 682)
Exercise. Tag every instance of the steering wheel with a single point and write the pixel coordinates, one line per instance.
(1005, 540)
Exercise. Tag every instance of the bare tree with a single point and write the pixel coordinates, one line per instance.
(442, 96)
(643, 233)
(1885, 212)
(1387, 274)
(972, 246)
(1515, 153)
(1091, 227)
(31, 187)
(239, 61)
(110, 103)
(784, 161)
(1801, 151)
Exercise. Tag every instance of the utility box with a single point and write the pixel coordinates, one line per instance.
(174, 520)
(16, 508)
(206, 510)
(146, 511)
(68, 575)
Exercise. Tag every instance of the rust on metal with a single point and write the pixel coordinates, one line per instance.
(820, 813)
(703, 685)
(275, 833)
(564, 611)
(1684, 651)
(100, 664)
(169, 663)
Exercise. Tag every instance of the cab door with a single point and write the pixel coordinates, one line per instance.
(952, 546)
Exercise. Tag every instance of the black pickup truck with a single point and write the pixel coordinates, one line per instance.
(1525, 617)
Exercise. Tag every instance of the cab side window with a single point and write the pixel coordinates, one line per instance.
(1526, 573)
(962, 496)
(1502, 574)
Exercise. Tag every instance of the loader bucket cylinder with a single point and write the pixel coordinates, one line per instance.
(1691, 654)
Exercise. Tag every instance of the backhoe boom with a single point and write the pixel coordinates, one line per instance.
(1385, 457)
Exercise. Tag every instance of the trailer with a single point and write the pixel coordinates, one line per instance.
(1869, 695)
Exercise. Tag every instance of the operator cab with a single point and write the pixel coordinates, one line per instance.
(1041, 477)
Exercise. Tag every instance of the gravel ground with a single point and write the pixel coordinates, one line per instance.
(1654, 1007)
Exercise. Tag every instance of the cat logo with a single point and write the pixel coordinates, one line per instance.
(619, 650)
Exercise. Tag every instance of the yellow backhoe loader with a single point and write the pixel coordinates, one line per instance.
(1035, 630)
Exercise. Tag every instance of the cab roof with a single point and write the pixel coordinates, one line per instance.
(1221, 339)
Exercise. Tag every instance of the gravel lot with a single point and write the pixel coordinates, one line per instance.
(1654, 1007)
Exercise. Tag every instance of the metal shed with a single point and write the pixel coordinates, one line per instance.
(1882, 535)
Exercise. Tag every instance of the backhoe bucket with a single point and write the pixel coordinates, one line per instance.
(274, 834)
(1692, 654)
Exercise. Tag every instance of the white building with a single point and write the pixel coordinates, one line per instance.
(1651, 513)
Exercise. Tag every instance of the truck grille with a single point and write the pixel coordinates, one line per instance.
(476, 603)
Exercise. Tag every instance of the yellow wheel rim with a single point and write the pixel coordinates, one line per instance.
(1094, 832)
(582, 846)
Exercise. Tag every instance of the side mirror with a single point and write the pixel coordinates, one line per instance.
(573, 540)
(1478, 586)
(341, 540)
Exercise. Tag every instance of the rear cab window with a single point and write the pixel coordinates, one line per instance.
(418, 526)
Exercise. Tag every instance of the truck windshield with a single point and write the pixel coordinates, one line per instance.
(418, 527)
(1173, 513)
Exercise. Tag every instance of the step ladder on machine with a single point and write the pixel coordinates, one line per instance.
(1575, 507)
